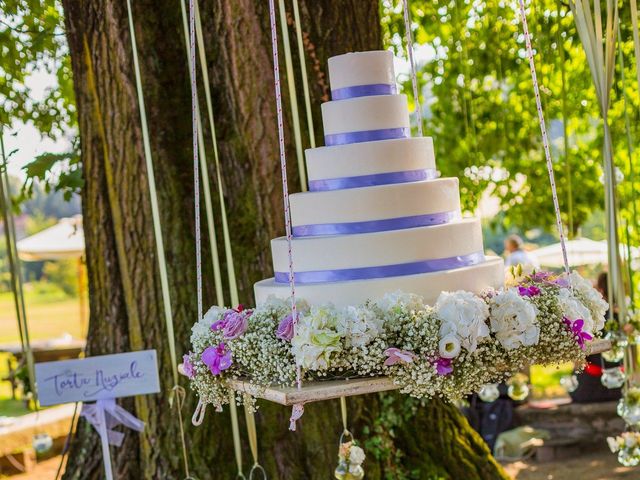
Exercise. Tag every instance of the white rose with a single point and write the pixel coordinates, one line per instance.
(513, 320)
(356, 455)
(449, 346)
(463, 314)
(573, 309)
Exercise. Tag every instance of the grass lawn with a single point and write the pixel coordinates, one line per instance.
(50, 314)
(545, 380)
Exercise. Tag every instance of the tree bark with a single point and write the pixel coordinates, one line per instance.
(126, 306)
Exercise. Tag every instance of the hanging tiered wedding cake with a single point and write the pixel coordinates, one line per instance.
(376, 219)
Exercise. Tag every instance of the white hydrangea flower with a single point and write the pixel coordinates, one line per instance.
(392, 301)
(359, 325)
(202, 328)
(463, 314)
(449, 346)
(573, 309)
(317, 338)
(593, 299)
(356, 455)
(513, 320)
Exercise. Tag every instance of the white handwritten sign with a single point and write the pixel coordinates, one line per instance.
(97, 378)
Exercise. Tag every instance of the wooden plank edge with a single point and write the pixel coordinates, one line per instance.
(320, 390)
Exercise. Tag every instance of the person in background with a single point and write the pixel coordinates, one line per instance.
(590, 390)
(516, 255)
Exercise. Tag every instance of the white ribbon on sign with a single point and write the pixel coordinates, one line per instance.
(105, 415)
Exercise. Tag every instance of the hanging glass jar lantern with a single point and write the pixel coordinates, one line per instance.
(619, 341)
(350, 459)
(629, 406)
(489, 392)
(569, 382)
(42, 442)
(612, 377)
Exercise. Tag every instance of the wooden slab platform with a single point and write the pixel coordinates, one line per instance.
(318, 391)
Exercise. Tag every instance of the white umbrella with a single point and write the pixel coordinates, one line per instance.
(582, 251)
(63, 240)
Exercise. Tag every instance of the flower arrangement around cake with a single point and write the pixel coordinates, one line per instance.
(447, 350)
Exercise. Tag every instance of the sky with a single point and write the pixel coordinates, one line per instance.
(25, 138)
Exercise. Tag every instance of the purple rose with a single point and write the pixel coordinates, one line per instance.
(395, 355)
(187, 367)
(234, 322)
(285, 328)
(217, 358)
(530, 291)
(444, 366)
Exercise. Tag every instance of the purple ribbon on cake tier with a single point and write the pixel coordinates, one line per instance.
(370, 226)
(363, 91)
(383, 271)
(387, 178)
(366, 136)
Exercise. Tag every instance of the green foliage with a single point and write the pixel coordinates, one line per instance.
(481, 110)
(32, 39)
(63, 273)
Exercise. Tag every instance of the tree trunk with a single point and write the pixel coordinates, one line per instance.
(126, 307)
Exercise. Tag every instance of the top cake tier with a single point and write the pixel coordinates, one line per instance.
(362, 74)
(364, 105)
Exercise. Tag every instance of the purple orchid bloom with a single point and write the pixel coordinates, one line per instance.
(528, 291)
(285, 328)
(395, 355)
(217, 358)
(444, 366)
(575, 327)
(187, 366)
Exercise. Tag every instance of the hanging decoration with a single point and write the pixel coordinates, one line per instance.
(425, 351)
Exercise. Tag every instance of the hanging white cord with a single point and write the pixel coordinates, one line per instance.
(196, 172)
(545, 139)
(414, 76)
(298, 409)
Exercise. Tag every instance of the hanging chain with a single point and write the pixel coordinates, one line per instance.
(414, 75)
(545, 139)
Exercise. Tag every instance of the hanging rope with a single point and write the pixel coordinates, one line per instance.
(235, 429)
(305, 79)
(291, 82)
(16, 273)
(298, 409)
(414, 76)
(253, 439)
(177, 392)
(206, 189)
(231, 274)
(545, 139)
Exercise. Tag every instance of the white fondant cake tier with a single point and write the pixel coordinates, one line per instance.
(362, 114)
(381, 202)
(370, 158)
(458, 238)
(361, 68)
(489, 274)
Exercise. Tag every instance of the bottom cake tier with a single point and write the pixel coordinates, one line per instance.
(476, 278)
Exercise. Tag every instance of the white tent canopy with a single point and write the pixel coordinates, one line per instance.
(63, 240)
(582, 251)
